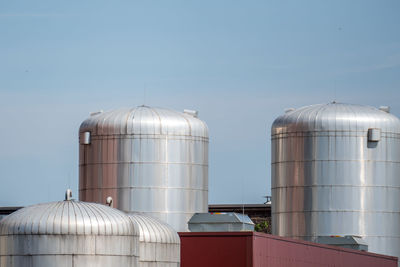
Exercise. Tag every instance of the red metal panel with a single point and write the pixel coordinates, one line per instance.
(270, 250)
(210, 250)
(249, 249)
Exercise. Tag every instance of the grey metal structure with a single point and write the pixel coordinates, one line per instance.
(68, 234)
(336, 171)
(348, 241)
(149, 160)
(159, 243)
(220, 222)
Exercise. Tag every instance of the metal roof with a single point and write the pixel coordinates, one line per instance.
(68, 217)
(152, 230)
(220, 217)
(145, 120)
(335, 117)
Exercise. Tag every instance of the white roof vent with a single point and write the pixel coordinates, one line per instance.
(385, 108)
(193, 113)
(86, 138)
(96, 113)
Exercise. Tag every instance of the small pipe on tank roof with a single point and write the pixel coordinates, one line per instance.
(109, 201)
(68, 194)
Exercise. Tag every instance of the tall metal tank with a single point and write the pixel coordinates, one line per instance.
(68, 233)
(336, 171)
(148, 160)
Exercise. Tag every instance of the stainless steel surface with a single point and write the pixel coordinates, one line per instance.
(327, 179)
(149, 160)
(220, 222)
(68, 233)
(159, 243)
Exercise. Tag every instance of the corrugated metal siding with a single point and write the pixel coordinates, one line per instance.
(269, 250)
(250, 249)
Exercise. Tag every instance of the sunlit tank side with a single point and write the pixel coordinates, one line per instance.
(149, 160)
(68, 233)
(335, 171)
(159, 243)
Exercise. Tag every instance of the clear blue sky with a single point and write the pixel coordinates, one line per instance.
(240, 63)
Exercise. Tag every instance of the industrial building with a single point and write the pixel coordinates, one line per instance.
(143, 176)
(260, 214)
(252, 249)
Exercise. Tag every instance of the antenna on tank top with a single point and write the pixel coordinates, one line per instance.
(69, 179)
(243, 203)
(144, 94)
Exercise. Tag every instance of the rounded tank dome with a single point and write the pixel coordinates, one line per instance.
(159, 242)
(145, 120)
(63, 232)
(153, 230)
(67, 217)
(335, 117)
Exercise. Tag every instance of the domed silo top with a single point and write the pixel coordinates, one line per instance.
(159, 242)
(335, 117)
(69, 217)
(145, 120)
(68, 233)
(153, 230)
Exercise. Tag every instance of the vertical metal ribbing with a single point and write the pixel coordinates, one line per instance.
(346, 169)
(152, 127)
(55, 243)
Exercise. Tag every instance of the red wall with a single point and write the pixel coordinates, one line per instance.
(215, 250)
(249, 249)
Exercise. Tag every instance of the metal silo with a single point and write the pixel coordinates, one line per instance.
(149, 160)
(335, 171)
(159, 243)
(68, 233)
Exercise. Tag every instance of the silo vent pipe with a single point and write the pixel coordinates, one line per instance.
(109, 201)
(68, 194)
